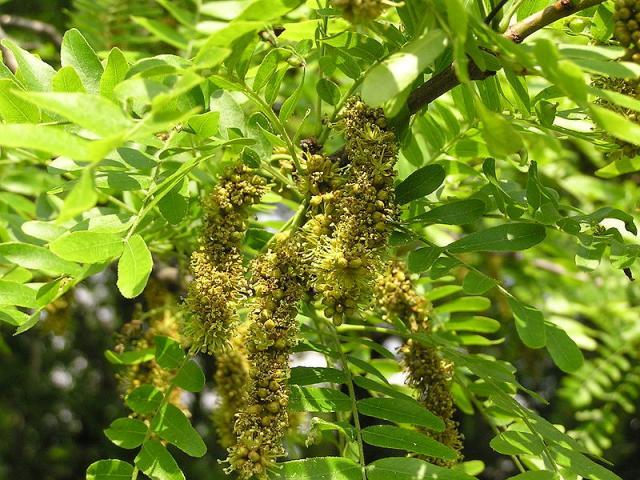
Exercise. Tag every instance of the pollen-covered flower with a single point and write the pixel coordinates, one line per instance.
(358, 212)
(158, 318)
(232, 377)
(627, 27)
(427, 372)
(280, 280)
(218, 273)
(630, 87)
(361, 10)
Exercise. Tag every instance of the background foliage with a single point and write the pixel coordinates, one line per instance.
(518, 217)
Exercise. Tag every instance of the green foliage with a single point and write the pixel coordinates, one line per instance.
(499, 171)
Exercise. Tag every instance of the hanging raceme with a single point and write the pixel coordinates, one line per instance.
(279, 278)
(427, 372)
(218, 273)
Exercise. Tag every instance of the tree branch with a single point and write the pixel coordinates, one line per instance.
(33, 25)
(447, 79)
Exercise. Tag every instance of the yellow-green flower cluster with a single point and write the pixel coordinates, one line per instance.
(218, 273)
(626, 87)
(157, 319)
(427, 372)
(627, 27)
(232, 377)
(280, 281)
(357, 11)
(357, 212)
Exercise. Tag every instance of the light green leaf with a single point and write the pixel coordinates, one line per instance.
(77, 53)
(16, 294)
(514, 442)
(115, 72)
(37, 258)
(318, 468)
(400, 411)
(314, 399)
(477, 283)
(501, 137)
(109, 470)
(529, 323)
(92, 112)
(206, 124)
(155, 461)
(508, 237)
(87, 247)
(398, 71)
(162, 32)
(145, 399)
(290, 103)
(473, 324)
(67, 80)
(388, 436)
(134, 267)
(13, 108)
(46, 231)
(403, 468)
(132, 357)
(32, 72)
(53, 140)
(126, 432)
(171, 425)
(616, 124)
(619, 167)
(190, 377)
(265, 10)
(81, 198)
(420, 183)
(563, 350)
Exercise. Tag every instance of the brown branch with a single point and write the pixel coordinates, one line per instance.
(447, 79)
(33, 25)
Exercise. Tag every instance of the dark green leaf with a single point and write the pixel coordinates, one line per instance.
(564, 351)
(171, 425)
(311, 375)
(529, 323)
(388, 436)
(169, 354)
(403, 468)
(145, 399)
(400, 411)
(318, 468)
(190, 377)
(420, 183)
(455, 213)
(508, 237)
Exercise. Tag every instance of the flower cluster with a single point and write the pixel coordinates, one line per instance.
(626, 87)
(428, 373)
(361, 10)
(357, 212)
(218, 273)
(627, 27)
(232, 377)
(280, 280)
(157, 319)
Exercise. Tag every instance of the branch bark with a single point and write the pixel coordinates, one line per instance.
(33, 25)
(447, 79)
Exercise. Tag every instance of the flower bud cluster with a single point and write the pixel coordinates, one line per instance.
(357, 11)
(626, 87)
(427, 372)
(356, 212)
(280, 281)
(627, 27)
(218, 273)
(138, 335)
(231, 377)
